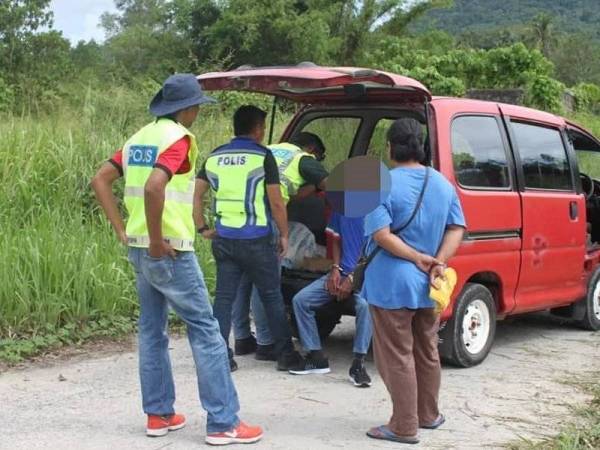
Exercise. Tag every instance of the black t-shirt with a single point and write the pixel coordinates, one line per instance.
(270, 166)
(312, 170)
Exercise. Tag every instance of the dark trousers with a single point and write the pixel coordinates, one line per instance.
(258, 259)
(406, 355)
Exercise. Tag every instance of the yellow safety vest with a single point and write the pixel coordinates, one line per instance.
(140, 153)
(236, 174)
(288, 158)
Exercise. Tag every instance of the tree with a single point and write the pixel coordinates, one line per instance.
(577, 59)
(357, 23)
(19, 20)
(540, 33)
(143, 39)
(269, 32)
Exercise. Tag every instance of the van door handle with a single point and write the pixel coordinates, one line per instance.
(574, 210)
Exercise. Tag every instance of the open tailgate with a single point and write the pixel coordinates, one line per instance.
(314, 84)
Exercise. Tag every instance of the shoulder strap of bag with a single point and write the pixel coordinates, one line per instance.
(410, 220)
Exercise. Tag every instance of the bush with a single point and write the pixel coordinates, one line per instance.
(545, 93)
(587, 97)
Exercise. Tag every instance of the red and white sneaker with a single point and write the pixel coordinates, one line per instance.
(242, 434)
(161, 425)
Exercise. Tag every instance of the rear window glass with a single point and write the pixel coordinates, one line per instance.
(337, 134)
(378, 144)
(478, 153)
(543, 157)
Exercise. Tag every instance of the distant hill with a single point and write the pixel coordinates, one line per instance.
(483, 15)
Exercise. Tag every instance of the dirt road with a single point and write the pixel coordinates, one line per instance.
(93, 402)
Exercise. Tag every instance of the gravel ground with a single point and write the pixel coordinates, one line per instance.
(92, 401)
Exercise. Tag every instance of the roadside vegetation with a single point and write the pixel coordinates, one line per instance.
(584, 433)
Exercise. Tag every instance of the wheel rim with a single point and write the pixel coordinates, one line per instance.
(596, 302)
(476, 326)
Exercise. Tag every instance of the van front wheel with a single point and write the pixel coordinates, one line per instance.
(467, 337)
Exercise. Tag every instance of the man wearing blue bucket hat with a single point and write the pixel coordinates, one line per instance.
(158, 164)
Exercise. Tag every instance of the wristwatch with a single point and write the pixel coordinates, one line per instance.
(337, 267)
(203, 229)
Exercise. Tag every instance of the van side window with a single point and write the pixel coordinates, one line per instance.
(478, 153)
(543, 157)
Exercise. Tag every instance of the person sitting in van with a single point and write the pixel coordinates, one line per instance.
(348, 240)
(301, 174)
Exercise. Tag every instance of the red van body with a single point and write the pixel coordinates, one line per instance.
(533, 218)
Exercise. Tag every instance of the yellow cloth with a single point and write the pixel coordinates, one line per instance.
(442, 293)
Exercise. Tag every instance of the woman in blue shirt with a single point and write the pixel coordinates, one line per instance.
(397, 282)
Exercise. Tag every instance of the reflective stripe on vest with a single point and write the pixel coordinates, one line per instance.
(288, 158)
(237, 177)
(140, 153)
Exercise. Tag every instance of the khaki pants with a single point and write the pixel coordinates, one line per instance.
(405, 348)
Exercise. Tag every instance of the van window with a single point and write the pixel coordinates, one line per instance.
(478, 153)
(378, 144)
(543, 157)
(588, 153)
(337, 134)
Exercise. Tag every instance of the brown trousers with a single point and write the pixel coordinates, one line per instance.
(406, 355)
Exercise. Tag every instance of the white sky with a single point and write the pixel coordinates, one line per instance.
(80, 19)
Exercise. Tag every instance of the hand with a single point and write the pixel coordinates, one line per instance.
(209, 234)
(333, 282)
(283, 246)
(123, 238)
(425, 262)
(159, 249)
(437, 271)
(345, 289)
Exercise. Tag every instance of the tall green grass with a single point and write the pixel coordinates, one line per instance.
(62, 272)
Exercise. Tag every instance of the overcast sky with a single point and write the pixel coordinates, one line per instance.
(79, 19)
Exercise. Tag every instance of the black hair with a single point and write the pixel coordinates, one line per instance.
(306, 139)
(246, 119)
(406, 140)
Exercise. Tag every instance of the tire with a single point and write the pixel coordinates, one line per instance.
(459, 346)
(591, 305)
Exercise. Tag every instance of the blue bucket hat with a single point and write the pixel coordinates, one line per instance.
(180, 91)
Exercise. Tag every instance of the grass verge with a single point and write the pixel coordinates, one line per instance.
(581, 434)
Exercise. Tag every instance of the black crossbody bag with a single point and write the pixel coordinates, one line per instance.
(364, 260)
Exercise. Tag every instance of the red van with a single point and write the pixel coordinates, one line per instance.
(525, 178)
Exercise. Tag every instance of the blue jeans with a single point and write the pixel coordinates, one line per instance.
(258, 260)
(247, 297)
(179, 283)
(316, 295)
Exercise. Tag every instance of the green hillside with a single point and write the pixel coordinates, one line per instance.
(479, 15)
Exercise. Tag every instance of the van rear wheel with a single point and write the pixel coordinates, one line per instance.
(467, 337)
(591, 305)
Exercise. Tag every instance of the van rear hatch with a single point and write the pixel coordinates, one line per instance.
(308, 83)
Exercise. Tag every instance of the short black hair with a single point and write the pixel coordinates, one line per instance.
(247, 118)
(405, 137)
(305, 139)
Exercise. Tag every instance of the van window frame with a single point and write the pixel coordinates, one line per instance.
(571, 158)
(510, 160)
